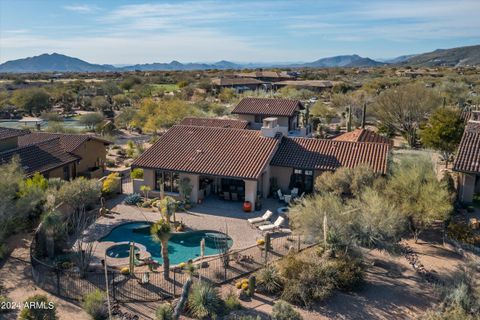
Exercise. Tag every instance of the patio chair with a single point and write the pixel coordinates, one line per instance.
(263, 218)
(294, 192)
(226, 195)
(274, 226)
(280, 195)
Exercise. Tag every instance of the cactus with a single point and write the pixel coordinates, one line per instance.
(251, 285)
(183, 298)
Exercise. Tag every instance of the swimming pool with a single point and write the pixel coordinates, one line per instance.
(181, 246)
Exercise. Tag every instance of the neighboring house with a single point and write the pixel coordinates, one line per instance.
(268, 76)
(290, 114)
(240, 84)
(215, 122)
(362, 135)
(467, 161)
(239, 164)
(58, 155)
(312, 85)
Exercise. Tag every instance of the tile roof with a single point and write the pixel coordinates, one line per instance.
(69, 142)
(468, 156)
(362, 135)
(215, 122)
(208, 150)
(236, 81)
(264, 74)
(269, 107)
(309, 153)
(7, 133)
(40, 157)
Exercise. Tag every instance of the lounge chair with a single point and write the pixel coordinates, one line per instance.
(280, 195)
(294, 192)
(274, 226)
(263, 218)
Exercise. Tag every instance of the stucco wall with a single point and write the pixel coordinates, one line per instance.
(58, 172)
(467, 187)
(251, 191)
(282, 174)
(93, 153)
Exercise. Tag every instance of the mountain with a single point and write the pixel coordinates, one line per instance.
(461, 56)
(399, 59)
(52, 63)
(175, 65)
(341, 61)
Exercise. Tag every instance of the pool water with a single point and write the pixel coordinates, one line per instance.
(181, 246)
(120, 251)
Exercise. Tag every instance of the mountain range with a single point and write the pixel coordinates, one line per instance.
(55, 62)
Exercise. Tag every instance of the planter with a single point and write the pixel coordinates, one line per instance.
(247, 206)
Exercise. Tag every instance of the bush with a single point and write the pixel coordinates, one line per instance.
(133, 199)
(164, 312)
(204, 301)
(4, 300)
(231, 302)
(284, 311)
(462, 233)
(347, 273)
(94, 303)
(3, 251)
(45, 309)
(111, 183)
(136, 173)
(269, 280)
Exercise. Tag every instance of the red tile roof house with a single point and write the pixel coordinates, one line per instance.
(290, 114)
(467, 161)
(243, 164)
(64, 156)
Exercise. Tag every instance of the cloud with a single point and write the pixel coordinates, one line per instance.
(81, 8)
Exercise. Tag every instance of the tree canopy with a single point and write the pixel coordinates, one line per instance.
(32, 100)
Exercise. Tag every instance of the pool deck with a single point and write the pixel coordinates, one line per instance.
(213, 214)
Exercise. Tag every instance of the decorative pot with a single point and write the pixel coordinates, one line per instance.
(247, 206)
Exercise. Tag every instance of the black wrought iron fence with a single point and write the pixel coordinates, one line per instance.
(151, 286)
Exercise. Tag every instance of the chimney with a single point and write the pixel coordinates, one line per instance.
(270, 127)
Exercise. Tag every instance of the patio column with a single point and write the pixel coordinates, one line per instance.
(251, 191)
(467, 187)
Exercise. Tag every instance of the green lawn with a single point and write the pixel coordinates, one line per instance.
(167, 87)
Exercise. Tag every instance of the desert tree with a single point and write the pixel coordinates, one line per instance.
(162, 231)
(405, 108)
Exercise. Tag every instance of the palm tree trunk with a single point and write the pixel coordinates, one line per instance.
(50, 243)
(166, 260)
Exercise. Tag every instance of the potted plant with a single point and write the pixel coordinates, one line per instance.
(247, 206)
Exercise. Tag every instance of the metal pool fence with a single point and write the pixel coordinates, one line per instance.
(151, 286)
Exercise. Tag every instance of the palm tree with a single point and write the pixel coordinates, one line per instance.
(162, 232)
(52, 225)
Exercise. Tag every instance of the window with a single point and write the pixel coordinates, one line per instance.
(302, 179)
(169, 179)
(259, 118)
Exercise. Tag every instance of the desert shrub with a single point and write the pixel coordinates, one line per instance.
(80, 193)
(451, 313)
(111, 183)
(347, 273)
(136, 173)
(3, 250)
(243, 317)
(4, 300)
(94, 303)
(269, 280)
(232, 302)
(44, 310)
(133, 199)
(164, 312)
(204, 301)
(284, 311)
(462, 233)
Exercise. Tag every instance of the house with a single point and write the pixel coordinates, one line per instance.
(239, 164)
(240, 84)
(467, 161)
(290, 114)
(215, 122)
(312, 85)
(58, 155)
(268, 76)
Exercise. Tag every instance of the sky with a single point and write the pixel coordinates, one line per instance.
(131, 32)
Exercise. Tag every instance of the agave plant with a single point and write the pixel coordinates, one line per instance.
(204, 301)
(269, 279)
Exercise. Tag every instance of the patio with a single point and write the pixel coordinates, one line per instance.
(214, 214)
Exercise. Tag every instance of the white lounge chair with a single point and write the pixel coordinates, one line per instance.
(280, 195)
(263, 218)
(274, 226)
(294, 192)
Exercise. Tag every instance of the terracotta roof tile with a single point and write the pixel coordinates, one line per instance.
(7, 133)
(309, 153)
(468, 156)
(208, 150)
(362, 135)
(215, 122)
(69, 142)
(269, 107)
(40, 157)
